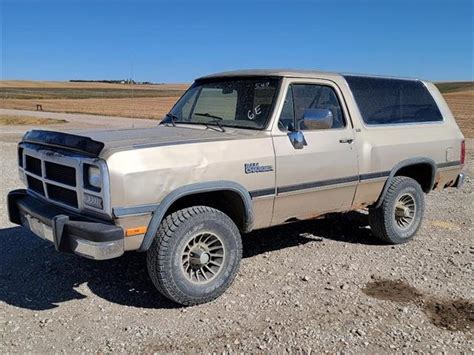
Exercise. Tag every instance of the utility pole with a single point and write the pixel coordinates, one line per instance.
(131, 77)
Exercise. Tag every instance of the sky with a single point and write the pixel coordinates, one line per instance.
(177, 41)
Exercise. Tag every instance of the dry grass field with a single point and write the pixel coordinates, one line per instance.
(153, 101)
(138, 107)
(139, 101)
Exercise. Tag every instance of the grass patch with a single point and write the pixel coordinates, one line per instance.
(26, 120)
(455, 86)
(86, 93)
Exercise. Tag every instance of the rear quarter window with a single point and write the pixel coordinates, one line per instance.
(393, 101)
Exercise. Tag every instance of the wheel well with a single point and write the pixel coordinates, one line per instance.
(422, 172)
(228, 202)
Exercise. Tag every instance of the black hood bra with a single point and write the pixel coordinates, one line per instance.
(68, 141)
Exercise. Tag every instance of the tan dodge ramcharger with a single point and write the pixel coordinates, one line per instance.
(240, 151)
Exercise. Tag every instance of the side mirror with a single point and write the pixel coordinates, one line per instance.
(297, 139)
(316, 118)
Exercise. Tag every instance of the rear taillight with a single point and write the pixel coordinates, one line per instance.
(463, 152)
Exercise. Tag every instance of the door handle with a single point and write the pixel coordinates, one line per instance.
(346, 140)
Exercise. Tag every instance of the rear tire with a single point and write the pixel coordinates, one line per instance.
(195, 255)
(400, 213)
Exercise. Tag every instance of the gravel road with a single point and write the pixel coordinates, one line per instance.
(318, 286)
(74, 121)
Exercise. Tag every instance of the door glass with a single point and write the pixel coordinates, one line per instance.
(287, 116)
(302, 97)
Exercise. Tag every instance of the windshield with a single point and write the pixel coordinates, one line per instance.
(230, 102)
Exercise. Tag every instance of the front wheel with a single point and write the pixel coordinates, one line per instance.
(195, 255)
(400, 213)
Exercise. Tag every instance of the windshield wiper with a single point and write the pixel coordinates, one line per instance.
(207, 114)
(217, 122)
(172, 118)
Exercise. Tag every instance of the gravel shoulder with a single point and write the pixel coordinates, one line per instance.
(74, 121)
(325, 285)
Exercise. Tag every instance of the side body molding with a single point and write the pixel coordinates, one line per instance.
(210, 186)
(405, 163)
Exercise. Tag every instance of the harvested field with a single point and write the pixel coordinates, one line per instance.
(462, 106)
(30, 90)
(455, 86)
(139, 101)
(54, 93)
(143, 107)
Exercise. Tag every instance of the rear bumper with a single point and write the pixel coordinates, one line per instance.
(69, 232)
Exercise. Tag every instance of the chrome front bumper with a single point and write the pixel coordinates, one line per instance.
(68, 232)
(460, 180)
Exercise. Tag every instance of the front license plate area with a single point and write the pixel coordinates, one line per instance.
(34, 225)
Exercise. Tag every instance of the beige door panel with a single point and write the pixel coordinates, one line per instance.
(322, 177)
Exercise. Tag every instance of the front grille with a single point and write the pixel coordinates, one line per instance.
(60, 173)
(63, 195)
(20, 157)
(52, 173)
(58, 177)
(33, 165)
(35, 185)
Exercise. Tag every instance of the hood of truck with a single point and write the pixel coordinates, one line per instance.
(101, 142)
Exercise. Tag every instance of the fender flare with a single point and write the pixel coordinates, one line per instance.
(403, 164)
(210, 186)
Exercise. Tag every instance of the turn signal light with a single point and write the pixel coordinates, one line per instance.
(135, 231)
(93, 201)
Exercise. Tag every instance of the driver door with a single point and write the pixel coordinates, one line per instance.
(323, 175)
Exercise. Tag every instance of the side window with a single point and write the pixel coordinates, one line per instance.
(393, 101)
(301, 97)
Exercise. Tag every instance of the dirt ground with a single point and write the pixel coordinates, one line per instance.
(317, 286)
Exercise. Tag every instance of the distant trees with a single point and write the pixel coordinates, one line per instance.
(122, 81)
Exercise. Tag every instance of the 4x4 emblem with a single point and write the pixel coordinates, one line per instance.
(251, 168)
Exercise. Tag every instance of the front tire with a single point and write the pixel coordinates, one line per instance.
(195, 255)
(400, 213)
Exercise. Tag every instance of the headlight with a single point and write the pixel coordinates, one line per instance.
(94, 178)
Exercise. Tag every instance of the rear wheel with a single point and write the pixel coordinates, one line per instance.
(399, 216)
(195, 255)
